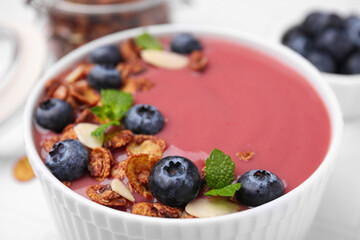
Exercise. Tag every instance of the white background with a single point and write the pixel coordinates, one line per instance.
(24, 213)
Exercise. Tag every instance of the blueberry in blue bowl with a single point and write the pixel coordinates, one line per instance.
(175, 181)
(329, 41)
(68, 160)
(54, 114)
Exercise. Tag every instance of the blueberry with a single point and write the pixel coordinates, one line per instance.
(317, 22)
(106, 55)
(352, 64)
(353, 30)
(323, 61)
(54, 114)
(144, 119)
(259, 187)
(336, 42)
(102, 76)
(68, 160)
(174, 181)
(296, 39)
(185, 43)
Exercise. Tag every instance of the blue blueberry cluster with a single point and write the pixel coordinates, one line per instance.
(105, 74)
(331, 43)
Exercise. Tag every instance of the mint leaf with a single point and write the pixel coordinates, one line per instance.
(115, 105)
(219, 170)
(227, 191)
(146, 41)
(102, 128)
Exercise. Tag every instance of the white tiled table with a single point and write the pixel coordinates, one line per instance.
(24, 213)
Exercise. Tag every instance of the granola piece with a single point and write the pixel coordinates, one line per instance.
(143, 84)
(155, 210)
(101, 161)
(78, 73)
(137, 85)
(147, 144)
(88, 117)
(67, 183)
(51, 86)
(145, 209)
(184, 214)
(83, 93)
(166, 211)
(68, 127)
(203, 173)
(104, 195)
(138, 170)
(61, 92)
(68, 133)
(198, 61)
(130, 68)
(129, 50)
(48, 143)
(118, 170)
(118, 139)
(129, 85)
(245, 156)
(22, 170)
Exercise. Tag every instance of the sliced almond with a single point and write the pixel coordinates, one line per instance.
(164, 59)
(75, 74)
(83, 132)
(120, 188)
(211, 207)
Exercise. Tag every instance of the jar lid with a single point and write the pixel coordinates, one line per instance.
(23, 51)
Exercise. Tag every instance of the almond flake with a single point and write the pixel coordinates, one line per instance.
(75, 74)
(211, 207)
(120, 188)
(164, 59)
(83, 132)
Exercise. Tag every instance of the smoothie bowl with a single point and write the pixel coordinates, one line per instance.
(217, 135)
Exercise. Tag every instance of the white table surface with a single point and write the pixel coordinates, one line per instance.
(24, 214)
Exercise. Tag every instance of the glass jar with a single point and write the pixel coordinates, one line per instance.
(75, 22)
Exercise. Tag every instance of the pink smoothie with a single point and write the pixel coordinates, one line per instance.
(243, 101)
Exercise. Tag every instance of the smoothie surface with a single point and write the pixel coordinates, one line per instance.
(243, 101)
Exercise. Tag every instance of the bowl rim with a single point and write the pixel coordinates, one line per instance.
(297, 63)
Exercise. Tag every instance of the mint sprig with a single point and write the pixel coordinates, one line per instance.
(220, 174)
(227, 191)
(146, 41)
(219, 170)
(115, 105)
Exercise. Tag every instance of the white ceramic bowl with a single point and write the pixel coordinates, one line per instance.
(347, 91)
(287, 217)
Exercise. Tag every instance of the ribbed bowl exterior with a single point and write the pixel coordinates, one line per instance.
(77, 221)
(288, 217)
